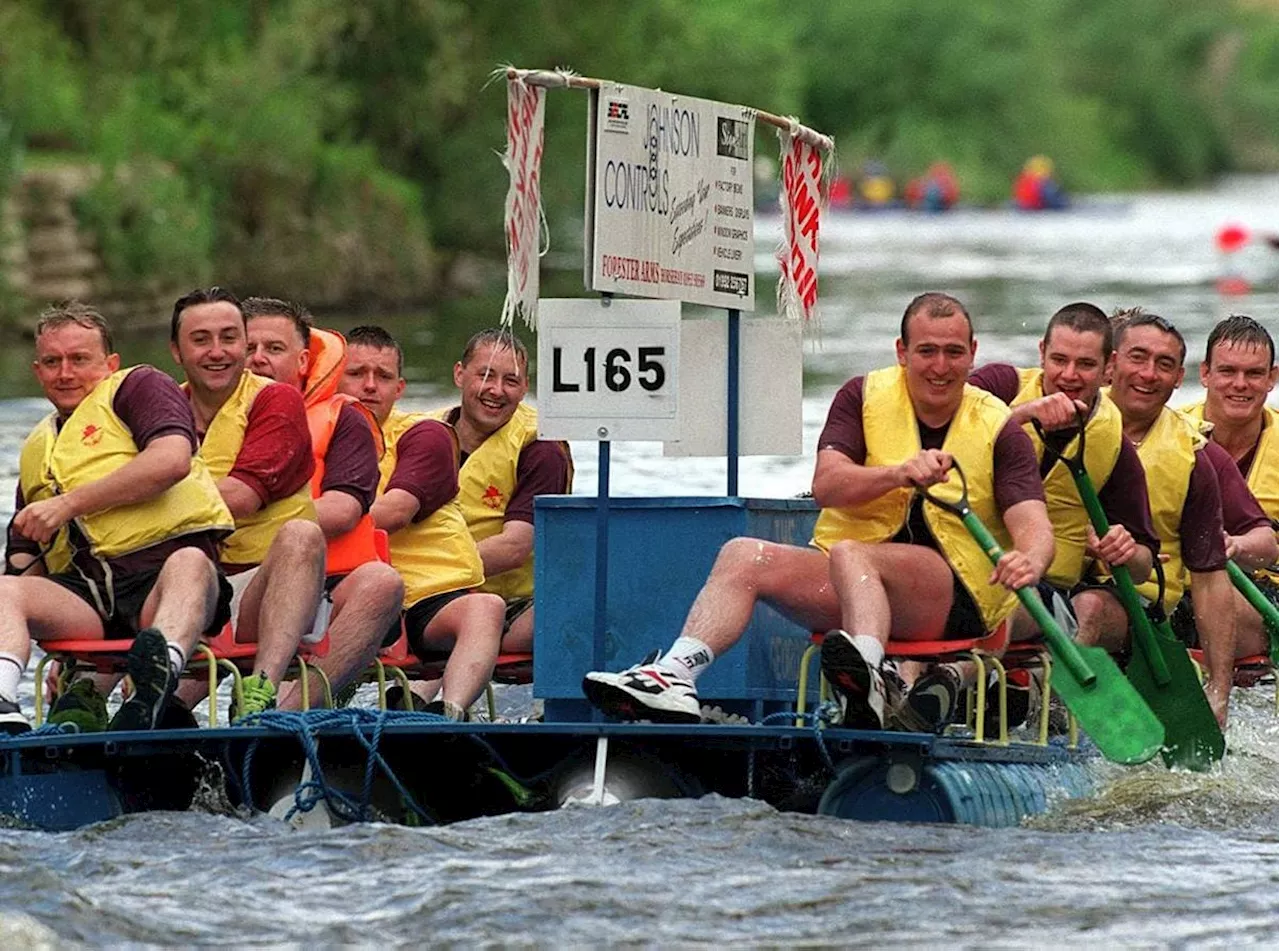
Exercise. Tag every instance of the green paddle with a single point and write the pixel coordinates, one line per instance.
(1160, 669)
(1260, 602)
(1086, 678)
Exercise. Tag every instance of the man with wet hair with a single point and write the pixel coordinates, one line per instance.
(883, 564)
(116, 526)
(444, 612)
(254, 439)
(1075, 356)
(1238, 373)
(362, 594)
(504, 467)
(1193, 488)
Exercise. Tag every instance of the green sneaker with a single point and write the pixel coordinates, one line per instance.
(81, 704)
(259, 696)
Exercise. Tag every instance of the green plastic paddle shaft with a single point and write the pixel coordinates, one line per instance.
(1064, 648)
(1145, 635)
(1244, 584)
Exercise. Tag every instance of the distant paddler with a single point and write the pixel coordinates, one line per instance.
(1075, 358)
(883, 564)
(1238, 373)
(1189, 504)
(116, 528)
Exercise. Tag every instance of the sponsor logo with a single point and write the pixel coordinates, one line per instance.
(92, 435)
(731, 138)
(492, 497)
(730, 282)
(617, 115)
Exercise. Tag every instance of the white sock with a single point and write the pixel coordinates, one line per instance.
(688, 657)
(11, 668)
(177, 658)
(870, 648)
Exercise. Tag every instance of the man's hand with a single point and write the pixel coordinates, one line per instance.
(1116, 547)
(928, 467)
(1232, 544)
(40, 521)
(1015, 570)
(1055, 411)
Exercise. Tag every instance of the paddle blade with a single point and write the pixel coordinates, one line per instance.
(1191, 735)
(1110, 710)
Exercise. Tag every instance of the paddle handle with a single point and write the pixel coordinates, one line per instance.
(1271, 618)
(1064, 649)
(1125, 588)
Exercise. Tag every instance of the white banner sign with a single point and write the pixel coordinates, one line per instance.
(669, 197)
(801, 206)
(526, 107)
(608, 370)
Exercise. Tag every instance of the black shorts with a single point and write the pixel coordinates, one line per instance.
(515, 608)
(1183, 618)
(964, 620)
(419, 615)
(119, 603)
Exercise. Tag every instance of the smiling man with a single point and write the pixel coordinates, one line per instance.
(1075, 355)
(254, 439)
(1194, 490)
(883, 564)
(445, 615)
(504, 467)
(116, 525)
(363, 594)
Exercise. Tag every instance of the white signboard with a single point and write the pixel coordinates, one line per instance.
(608, 370)
(669, 197)
(770, 386)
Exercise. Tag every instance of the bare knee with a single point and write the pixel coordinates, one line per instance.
(192, 565)
(744, 558)
(848, 552)
(483, 617)
(299, 541)
(374, 582)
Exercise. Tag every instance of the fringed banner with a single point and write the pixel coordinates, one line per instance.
(802, 199)
(526, 107)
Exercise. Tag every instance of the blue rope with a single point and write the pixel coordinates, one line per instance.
(366, 726)
(816, 720)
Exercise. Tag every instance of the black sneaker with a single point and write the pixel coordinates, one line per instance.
(1022, 691)
(153, 682)
(395, 701)
(12, 719)
(931, 703)
(858, 685)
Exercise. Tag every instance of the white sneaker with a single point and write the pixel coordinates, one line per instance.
(858, 685)
(644, 692)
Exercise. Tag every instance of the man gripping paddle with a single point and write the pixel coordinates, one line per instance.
(881, 565)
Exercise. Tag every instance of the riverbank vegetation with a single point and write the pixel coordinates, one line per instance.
(344, 152)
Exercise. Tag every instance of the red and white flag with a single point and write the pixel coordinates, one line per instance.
(523, 217)
(802, 199)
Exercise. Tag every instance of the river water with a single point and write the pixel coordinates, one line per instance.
(1154, 859)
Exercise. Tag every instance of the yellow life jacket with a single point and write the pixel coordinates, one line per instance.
(93, 443)
(438, 554)
(248, 545)
(1168, 454)
(485, 485)
(892, 437)
(1264, 472)
(1104, 432)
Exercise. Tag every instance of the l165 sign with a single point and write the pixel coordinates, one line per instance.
(670, 202)
(608, 370)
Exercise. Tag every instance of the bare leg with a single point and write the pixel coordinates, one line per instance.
(795, 581)
(182, 602)
(365, 604)
(519, 637)
(472, 627)
(1251, 634)
(1103, 621)
(891, 591)
(279, 605)
(1215, 602)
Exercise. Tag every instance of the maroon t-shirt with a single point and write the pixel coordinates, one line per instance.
(426, 466)
(275, 458)
(1123, 495)
(542, 469)
(1240, 509)
(1017, 478)
(151, 405)
(1203, 548)
(351, 461)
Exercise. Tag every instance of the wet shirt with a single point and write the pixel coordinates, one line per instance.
(1241, 512)
(275, 458)
(542, 469)
(151, 405)
(426, 467)
(351, 461)
(1123, 496)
